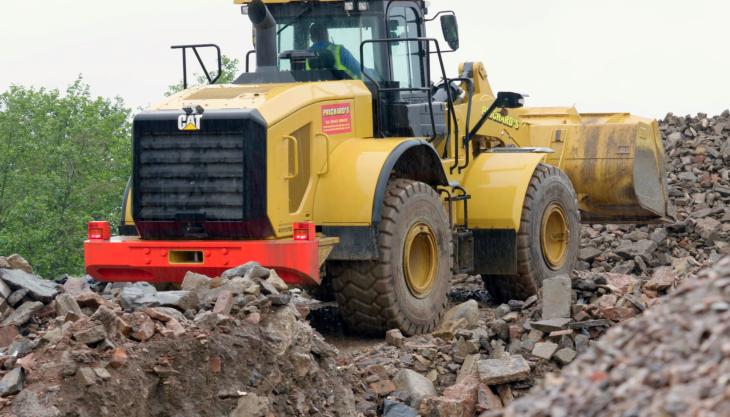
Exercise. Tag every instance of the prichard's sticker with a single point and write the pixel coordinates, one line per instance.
(337, 118)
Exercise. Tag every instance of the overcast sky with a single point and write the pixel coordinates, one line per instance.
(649, 57)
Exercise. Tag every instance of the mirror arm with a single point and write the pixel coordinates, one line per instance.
(503, 100)
(442, 12)
(484, 118)
(443, 52)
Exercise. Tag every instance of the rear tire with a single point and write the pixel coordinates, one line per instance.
(548, 239)
(406, 288)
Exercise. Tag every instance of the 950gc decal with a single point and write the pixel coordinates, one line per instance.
(189, 122)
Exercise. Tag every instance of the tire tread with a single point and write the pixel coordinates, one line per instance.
(364, 289)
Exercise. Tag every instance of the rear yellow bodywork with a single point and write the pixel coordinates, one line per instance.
(331, 179)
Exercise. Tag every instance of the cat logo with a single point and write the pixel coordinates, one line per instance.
(189, 122)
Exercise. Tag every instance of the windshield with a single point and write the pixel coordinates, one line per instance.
(339, 36)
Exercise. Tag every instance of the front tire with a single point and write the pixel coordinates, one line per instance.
(548, 239)
(407, 286)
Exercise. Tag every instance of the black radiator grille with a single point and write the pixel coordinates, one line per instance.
(196, 175)
(205, 183)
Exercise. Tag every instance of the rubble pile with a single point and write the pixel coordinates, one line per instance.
(236, 345)
(672, 361)
(697, 162)
(483, 356)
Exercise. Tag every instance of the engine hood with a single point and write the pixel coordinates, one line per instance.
(273, 101)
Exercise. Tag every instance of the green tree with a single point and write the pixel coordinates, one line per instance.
(229, 70)
(64, 160)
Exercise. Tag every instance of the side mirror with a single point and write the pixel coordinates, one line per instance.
(510, 100)
(450, 28)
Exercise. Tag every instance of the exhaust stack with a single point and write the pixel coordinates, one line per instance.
(265, 26)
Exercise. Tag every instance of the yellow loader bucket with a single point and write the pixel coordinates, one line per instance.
(617, 168)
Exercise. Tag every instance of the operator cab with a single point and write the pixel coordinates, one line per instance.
(360, 40)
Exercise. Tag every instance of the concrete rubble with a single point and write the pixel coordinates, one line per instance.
(507, 348)
(672, 361)
(235, 346)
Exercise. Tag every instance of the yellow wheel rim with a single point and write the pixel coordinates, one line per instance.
(554, 236)
(420, 259)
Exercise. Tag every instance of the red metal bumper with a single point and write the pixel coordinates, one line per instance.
(130, 259)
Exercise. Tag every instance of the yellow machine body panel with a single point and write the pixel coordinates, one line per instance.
(127, 218)
(345, 195)
(497, 183)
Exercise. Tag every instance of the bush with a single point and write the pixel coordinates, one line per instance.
(64, 160)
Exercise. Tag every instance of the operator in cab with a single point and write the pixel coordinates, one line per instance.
(343, 59)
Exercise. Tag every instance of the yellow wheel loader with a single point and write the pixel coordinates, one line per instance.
(350, 158)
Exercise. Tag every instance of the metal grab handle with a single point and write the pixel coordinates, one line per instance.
(184, 49)
(327, 153)
(293, 140)
(248, 63)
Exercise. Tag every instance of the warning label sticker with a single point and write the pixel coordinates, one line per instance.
(337, 118)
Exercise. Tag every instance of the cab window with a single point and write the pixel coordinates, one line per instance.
(406, 57)
(346, 31)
